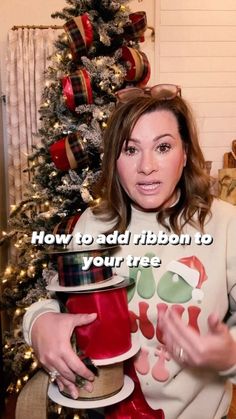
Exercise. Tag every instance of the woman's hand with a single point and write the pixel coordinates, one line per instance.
(51, 334)
(216, 349)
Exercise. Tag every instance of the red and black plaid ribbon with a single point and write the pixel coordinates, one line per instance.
(138, 67)
(70, 269)
(80, 33)
(77, 89)
(66, 226)
(146, 70)
(136, 27)
(76, 42)
(81, 87)
(77, 148)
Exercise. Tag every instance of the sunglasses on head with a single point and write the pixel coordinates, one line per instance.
(159, 91)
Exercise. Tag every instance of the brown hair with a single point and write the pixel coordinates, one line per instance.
(195, 198)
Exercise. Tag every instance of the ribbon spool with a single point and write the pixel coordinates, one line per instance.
(105, 339)
(138, 66)
(108, 336)
(70, 263)
(80, 35)
(109, 382)
(71, 273)
(69, 153)
(77, 89)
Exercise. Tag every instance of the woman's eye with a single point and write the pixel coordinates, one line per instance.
(130, 150)
(164, 147)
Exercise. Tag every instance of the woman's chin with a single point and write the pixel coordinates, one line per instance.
(147, 206)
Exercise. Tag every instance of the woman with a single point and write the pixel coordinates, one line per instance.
(153, 184)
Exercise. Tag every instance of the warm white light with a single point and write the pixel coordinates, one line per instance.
(18, 312)
(8, 270)
(27, 354)
(34, 365)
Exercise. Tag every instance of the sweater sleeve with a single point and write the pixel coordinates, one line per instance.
(34, 311)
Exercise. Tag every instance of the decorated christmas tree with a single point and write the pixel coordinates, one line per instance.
(97, 54)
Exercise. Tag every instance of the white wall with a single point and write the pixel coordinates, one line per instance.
(196, 48)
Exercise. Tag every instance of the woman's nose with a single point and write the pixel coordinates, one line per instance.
(147, 164)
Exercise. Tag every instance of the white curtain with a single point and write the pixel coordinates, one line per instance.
(27, 53)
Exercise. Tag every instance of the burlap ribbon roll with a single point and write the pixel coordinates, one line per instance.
(69, 153)
(109, 380)
(77, 89)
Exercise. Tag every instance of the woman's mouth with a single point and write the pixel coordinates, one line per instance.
(148, 186)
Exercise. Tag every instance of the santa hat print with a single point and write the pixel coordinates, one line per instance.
(183, 280)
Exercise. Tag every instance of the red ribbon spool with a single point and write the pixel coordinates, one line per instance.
(109, 335)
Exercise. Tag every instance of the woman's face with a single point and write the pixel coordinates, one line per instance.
(150, 167)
